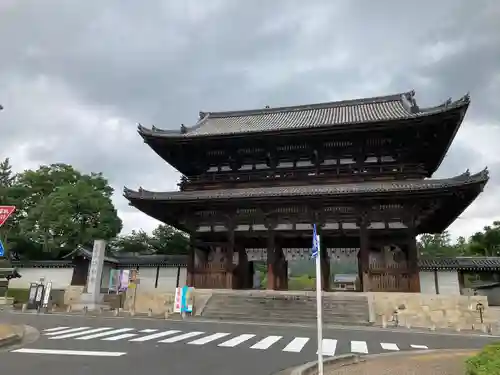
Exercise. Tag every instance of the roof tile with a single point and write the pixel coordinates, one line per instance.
(392, 107)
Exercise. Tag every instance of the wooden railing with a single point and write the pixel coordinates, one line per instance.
(325, 172)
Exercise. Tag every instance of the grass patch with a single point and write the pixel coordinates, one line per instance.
(19, 295)
(486, 362)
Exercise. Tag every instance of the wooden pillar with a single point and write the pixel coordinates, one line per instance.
(271, 259)
(190, 262)
(364, 255)
(413, 262)
(229, 257)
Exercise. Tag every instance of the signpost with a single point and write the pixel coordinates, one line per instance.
(316, 255)
(2, 250)
(5, 212)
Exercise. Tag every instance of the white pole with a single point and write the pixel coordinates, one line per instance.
(319, 306)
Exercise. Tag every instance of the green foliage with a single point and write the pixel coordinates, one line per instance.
(486, 362)
(57, 208)
(485, 243)
(303, 282)
(19, 295)
(163, 240)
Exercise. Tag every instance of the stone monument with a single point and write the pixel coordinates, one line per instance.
(92, 298)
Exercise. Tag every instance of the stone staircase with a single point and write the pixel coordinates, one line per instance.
(338, 308)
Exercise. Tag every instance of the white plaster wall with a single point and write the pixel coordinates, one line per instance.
(60, 277)
(166, 279)
(448, 283)
(427, 285)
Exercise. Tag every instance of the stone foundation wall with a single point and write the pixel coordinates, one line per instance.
(430, 310)
(73, 295)
(144, 301)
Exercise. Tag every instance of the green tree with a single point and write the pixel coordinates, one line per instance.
(168, 240)
(487, 242)
(10, 195)
(63, 208)
(437, 245)
(135, 242)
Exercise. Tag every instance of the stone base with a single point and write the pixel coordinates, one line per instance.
(6, 301)
(90, 302)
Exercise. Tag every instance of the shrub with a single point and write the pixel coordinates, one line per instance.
(19, 295)
(486, 362)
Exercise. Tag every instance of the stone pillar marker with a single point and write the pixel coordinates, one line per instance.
(95, 269)
(92, 299)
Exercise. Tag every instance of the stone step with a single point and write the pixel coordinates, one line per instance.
(294, 319)
(311, 317)
(253, 309)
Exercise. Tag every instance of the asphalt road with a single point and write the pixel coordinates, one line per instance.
(102, 346)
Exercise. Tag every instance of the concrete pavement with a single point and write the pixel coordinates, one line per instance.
(177, 347)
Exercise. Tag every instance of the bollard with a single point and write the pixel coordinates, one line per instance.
(384, 321)
(433, 327)
(166, 314)
(68, 308)
(116, 312)
(24, 307)
(150, 313)
(85, 310)
(132, 312)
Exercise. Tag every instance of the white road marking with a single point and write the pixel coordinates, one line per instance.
(107, 333)
(154, 336)
(81, 333)
(70, 352)
(389, 346)
(296, 345)
(210, 338)
(182, 337)
(148, 330)
(359, 347)
(67, 331)
(55, 329)
(236, 340)
(120, 337)
(419, 346)
(329, 347)
(266, 342)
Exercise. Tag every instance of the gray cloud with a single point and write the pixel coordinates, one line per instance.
(76, 76)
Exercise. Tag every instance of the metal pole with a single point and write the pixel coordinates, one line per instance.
(319, 306)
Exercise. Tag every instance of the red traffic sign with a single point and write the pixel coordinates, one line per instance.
(5, 212)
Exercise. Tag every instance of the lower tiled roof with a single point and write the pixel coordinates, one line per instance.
(313, 190)
(461, 263)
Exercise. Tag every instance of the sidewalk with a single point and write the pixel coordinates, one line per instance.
(439, 362)
(9, 334)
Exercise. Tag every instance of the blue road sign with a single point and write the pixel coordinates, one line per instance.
(2, 250)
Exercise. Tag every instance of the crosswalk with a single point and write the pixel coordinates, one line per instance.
(251, 341)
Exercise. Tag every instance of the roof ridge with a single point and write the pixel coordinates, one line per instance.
(302, 107)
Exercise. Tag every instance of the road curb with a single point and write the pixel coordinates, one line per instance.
(12, 339)
(311, 368)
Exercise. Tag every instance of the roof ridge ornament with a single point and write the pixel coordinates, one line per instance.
(183, 129)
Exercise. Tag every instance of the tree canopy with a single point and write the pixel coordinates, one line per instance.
(484, 243)
(59, 208)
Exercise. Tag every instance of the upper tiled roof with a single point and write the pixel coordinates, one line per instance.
(313, 190)
(461, 263)
(370, 110)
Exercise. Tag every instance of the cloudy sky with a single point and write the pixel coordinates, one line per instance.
(76, 76)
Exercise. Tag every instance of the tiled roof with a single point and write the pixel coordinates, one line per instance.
(370, 110)
(137, 260)
(461, 263)
(312, 190)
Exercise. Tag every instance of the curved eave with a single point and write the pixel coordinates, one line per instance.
(187, 135)
(321, 191)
